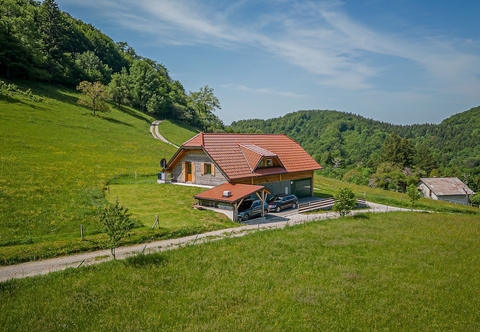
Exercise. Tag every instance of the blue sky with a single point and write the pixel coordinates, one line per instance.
(400, 61)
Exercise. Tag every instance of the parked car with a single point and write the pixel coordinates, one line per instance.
(251, 208)
(282, 201)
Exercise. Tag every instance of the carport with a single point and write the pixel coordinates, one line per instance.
(227, 197)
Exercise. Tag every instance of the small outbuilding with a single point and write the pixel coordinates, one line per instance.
(445, 189)
(227, 197)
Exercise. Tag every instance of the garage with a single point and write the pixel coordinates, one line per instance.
(302, 188)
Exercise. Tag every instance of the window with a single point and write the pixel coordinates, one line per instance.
(207, 169)
(267, 162)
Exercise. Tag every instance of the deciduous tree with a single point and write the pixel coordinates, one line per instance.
(204, 103)
(119, 87)
(345, 201)
(94, 95)
(116, 223)
(413, 194)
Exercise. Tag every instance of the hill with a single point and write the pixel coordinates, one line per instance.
(57, 161)
(40, 42)
(327, 134)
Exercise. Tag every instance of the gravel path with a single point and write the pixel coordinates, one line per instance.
(156, 133)
(288, 218)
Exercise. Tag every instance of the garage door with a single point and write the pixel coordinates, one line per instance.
(302, 188)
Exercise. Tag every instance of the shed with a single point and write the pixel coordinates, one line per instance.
(445, 189)
(227, 197)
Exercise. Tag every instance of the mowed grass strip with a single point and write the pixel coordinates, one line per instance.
(172, 204)
(387, 272)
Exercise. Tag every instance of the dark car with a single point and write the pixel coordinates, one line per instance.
(282, 201)
(251, 208)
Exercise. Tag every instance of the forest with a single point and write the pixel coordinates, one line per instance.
(40, 42)
(364, 151)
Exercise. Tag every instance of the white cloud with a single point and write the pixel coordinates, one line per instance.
(268, 91)
(316, 36)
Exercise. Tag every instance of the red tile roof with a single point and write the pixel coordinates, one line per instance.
(238, 154)
(238, 191)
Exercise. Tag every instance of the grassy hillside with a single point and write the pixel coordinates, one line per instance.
(55, 162)
(385, 272)
(177, 132)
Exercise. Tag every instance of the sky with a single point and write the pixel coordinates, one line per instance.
(400, 61)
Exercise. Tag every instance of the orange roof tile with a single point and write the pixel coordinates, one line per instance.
(238, 191)
(235, 154)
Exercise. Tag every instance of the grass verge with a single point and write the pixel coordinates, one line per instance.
(393, 271)
(328, 187)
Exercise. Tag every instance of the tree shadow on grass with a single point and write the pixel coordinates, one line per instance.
(12, 100)
(361, 216)
(184, 125)
(142, 260)
(115, 121)
(132, 113)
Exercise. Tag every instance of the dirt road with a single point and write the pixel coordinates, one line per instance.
(287, 218)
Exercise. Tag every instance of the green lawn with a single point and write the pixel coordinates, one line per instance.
(176, 132)
(55, 162)
(171, 203)
(375, 272)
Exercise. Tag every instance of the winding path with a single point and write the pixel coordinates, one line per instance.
(156, 133)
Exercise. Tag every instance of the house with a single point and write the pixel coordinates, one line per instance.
(264, 163)
(445, 189)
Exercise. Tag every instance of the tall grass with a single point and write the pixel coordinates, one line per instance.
(394, 271)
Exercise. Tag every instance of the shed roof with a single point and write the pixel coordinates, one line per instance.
(238, 154)
(238, 191)
(447, 186)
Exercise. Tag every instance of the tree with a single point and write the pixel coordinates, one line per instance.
(19, 47)
(94, 96)
(145, 83)
(119, 87)
(413, 194)
(53, 29)
(345, 201)
(204, 104)
(388, 176)
(397, 150)
(116, 223)
(424, 160)
(93, 67)
(475, 199)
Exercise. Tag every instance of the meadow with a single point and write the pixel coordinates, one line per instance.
(176, 132)
(56, 160)
(374, 272)
(328, 187)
